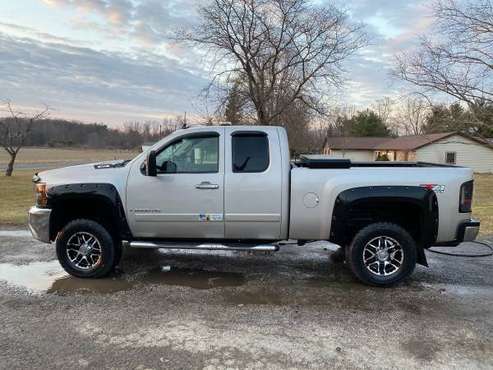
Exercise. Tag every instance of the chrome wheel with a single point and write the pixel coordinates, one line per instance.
(383, 256)
(84, 251)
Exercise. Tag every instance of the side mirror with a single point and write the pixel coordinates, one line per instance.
(169, 167)
(151, 168)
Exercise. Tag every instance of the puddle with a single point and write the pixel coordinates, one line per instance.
(307, 292)
(258, 297)
(197, 279)
(49, 277)
(37, 277)
(70, 284)
(16, 233)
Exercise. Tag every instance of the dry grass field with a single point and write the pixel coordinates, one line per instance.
(483, 202)
(16, 196)
(58, 155)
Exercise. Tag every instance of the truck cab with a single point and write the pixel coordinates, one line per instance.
(213, 183)
(236, 188)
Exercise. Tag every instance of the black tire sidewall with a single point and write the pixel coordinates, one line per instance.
(105, 240)
(355, 255)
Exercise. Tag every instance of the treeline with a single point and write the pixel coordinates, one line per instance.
(63, 133)
(307, 133)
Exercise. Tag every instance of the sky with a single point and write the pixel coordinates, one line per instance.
(113, 61)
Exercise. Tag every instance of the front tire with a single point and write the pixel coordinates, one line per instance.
(85, 249)
(382, 254)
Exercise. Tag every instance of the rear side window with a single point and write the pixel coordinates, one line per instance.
(250, 152)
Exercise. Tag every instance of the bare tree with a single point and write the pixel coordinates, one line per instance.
(232, 106)
(14, 131)
(412, 115)
(385, 109)
(333, 123)
(458, 60)
(282, 51)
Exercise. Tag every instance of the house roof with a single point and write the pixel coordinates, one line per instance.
(355, 143)
(412, 142)
(405, 143)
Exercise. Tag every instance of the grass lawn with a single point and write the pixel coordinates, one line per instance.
(53, 155)
(483, 202)
(17, 196)
(17, 191)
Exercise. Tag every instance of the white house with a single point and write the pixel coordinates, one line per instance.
(451, 147)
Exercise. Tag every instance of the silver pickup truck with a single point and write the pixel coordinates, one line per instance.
(235, 188)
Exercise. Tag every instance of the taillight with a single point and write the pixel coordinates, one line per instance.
(465, 200)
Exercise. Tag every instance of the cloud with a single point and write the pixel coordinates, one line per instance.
(128, 67)
(76, 79)
(151, 21)
(24, 31)
(392, 26)
(117, 12)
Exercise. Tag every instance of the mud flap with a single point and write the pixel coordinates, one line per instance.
(422, 257)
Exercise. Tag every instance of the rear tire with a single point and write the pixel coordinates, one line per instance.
(382, 254)
(85, 249)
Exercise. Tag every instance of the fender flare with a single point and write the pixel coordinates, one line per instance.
(101, 193)
(424, 199)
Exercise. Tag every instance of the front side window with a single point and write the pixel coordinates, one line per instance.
(450, 157)
(250, 152)
(195, 154)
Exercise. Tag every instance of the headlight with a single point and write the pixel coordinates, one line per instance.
(40, 194)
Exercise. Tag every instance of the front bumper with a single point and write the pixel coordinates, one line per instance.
(39, 223)
(468, 230)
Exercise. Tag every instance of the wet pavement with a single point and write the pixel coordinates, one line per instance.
(197, 309)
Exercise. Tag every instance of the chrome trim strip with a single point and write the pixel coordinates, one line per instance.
(177, 217)
(253, 217)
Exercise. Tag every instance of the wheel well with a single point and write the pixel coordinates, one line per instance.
(408, 215)
(92, 209)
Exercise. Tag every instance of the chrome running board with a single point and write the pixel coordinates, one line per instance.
(209, 247)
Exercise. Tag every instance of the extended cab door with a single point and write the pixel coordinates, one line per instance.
(185, 199)
(253, 183)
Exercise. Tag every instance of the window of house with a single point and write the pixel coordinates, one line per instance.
(450, 157)
(250, 152)
(194, 154)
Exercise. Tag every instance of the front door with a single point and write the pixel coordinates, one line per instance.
(185, 199)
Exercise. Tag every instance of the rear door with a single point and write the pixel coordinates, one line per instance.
(253, 184)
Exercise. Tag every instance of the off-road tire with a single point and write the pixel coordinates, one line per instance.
(108, 250)
(355, 254)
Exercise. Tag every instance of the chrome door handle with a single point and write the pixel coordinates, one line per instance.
(206, 185)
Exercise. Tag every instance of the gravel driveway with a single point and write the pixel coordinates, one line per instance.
(291, 309)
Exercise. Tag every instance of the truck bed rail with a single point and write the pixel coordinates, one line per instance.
(319, 162)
